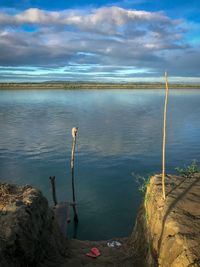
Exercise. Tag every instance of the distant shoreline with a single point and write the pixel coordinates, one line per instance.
(92, 85)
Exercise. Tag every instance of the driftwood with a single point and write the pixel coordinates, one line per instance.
(61, 212)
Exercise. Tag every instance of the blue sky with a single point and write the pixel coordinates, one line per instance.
(118, 41)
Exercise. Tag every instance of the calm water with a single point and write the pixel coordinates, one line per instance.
(120, 133)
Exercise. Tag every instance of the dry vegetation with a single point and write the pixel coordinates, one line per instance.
(92, 85)
(6, 193)
(11, 194)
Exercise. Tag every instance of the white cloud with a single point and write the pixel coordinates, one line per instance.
(109, 36)
(109, 17)
(35, 15)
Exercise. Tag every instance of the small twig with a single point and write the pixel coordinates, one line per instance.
(53, 186)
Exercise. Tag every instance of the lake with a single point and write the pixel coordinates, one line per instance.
(119, 136)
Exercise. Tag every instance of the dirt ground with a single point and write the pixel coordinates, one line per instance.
(116, 256)
(166, 233)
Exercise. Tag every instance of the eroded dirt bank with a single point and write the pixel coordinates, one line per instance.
(165, 234)
(29, 235)
(171, 229)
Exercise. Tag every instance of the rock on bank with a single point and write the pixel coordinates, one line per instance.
(29, 235)
(167, 234)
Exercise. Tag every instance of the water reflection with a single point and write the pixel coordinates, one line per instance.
(120, 132)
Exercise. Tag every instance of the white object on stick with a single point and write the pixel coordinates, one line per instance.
(74, 132)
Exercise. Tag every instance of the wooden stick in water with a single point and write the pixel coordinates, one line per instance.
(164, 137)
(53, 186)
(74, 133)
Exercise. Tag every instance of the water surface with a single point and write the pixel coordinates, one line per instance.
(120, 134)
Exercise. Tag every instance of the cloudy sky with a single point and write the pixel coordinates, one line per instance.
(119, 41)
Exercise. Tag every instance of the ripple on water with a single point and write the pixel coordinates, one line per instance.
(120, 133)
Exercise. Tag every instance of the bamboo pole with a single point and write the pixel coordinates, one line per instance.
(164, 137)
(74, 133)
(53, 187)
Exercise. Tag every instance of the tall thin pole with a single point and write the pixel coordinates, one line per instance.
(74, 133)
(164, 137)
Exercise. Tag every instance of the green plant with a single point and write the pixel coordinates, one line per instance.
(189, 171)
(146, 199)
(142, 182)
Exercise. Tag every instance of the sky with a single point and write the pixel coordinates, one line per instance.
(101, 41)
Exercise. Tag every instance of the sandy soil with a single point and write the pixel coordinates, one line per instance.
(117, 256)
